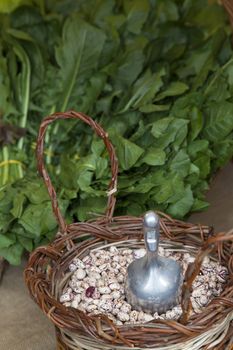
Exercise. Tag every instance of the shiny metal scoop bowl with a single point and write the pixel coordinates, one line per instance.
(153, 283)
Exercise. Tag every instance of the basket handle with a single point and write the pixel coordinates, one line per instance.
(229, 8)
(112, 188)
(194, 268)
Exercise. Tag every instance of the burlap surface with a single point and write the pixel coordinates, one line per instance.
(22, 324)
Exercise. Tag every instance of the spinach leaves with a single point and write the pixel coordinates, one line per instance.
(157, 75)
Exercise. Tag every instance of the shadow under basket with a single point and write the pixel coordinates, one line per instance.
(47, 273)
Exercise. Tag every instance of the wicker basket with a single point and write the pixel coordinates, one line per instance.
(2, 264)
(47, 274)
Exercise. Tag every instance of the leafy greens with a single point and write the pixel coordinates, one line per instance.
(156, 74)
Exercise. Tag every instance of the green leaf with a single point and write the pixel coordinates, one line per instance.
(150, 108)
(169, 130)
(7, 194)
(199, 204)
(140, 131)
(183, 105)
(215, 44)
(136, 12)
(196, 123)
(5, 221)
(218, 89)
(174, 89)
(69, 194)
(78, 54)
(13, 253)
(219, 121)
(180, 164)
(93, 91)
(210, 17)
(203, 163)
(132, 117)
(27, 243)
(101, 167)
(196, 147)
(143, 187)
(18, 203)
(128, 152)
(41, 241)
(103, 105)
(6, 241)
(183, 206)
(229, 72)
(164, 192)
(134, 209)
(178, 188)
(145, 89)
(84, 181)
(38, 219)
(160, 126)
(36, 192)
(97, 146)
(86, 163)
(18, 230)
(19, 34)
(170, 188)
(68, 174)
(194, 175)
(9, 6)
(128, 68)
(144, 183)
(167, 11)
(101, 10)
(154, 156)
(223, 152)
(90, 206)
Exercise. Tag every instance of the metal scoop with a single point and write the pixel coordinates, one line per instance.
(153, 283)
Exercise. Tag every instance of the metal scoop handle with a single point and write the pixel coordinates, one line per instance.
(151, 232)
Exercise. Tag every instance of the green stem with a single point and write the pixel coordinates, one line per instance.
(49, 153)
(20, 171)
(25, 94)
(5, 176)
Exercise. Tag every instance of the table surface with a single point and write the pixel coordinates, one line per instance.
(22, 324)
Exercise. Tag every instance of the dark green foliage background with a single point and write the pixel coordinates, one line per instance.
(157, 75)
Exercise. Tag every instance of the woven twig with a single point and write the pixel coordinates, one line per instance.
(2, 265)
(46, 285)
(228, 4)
(42, 171)
(47, 273)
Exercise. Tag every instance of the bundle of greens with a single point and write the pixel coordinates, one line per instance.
(156, 74)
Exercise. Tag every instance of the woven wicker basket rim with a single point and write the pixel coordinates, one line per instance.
(47, 268)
